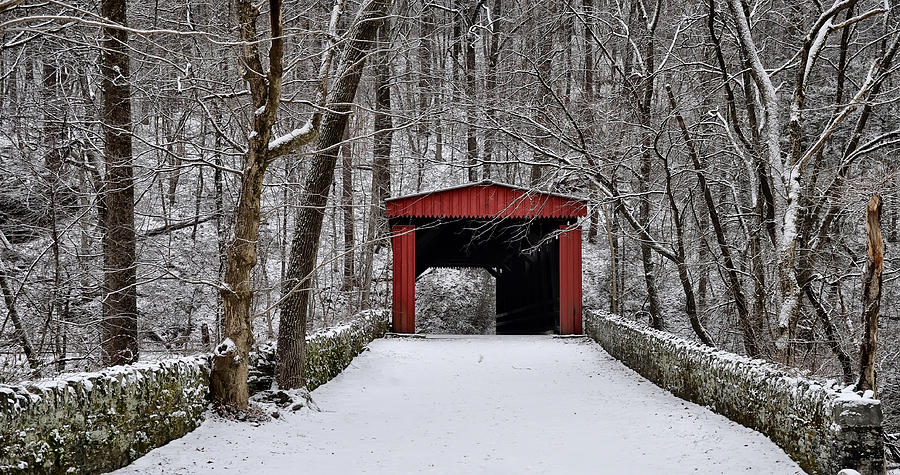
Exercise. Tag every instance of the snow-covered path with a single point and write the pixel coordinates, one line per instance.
(497, 405)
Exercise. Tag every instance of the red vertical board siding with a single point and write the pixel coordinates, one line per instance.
(576, 279)
(570, 308)
(397, 249)
(564, 283)
(404, 285)
(410, 282)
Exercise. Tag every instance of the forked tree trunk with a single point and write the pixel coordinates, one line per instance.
(228, 379)
(871, 296)
(118, 338)
(228, 382)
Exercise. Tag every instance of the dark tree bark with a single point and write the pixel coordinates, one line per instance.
(384, 130)
(21, 333)
(830, 333)
(871, 296)
(118, 338)
(291, 351)
(645, 109)
(471, 15)
(492, 55)
(751, 345)
(544, 66)
(349, 280)
(588, 84)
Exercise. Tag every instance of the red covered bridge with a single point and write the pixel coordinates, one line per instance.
(528, 240)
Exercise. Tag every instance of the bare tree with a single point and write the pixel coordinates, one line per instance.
(119, 336)
(291, 351)
(228, 381)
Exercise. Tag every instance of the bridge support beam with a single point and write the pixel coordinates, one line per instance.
(570, 280)
(403, 241)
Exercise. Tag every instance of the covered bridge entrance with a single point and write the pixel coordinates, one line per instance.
(528, 240)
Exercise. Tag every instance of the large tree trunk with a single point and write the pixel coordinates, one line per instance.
(871, 296)
(291, 371)
(228, 380)
(119, 343)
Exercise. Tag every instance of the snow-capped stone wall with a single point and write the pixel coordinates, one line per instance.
(328, 352)
(823, 428)
(96, 422)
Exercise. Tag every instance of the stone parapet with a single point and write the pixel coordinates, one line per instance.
(824, 428)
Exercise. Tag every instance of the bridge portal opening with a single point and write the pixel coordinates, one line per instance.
(456, 301)
(529, 241)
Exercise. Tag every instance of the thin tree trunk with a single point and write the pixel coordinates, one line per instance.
(871, 296)
(349, 279)
(831, 333)
(119, 325)
(384, 130)
(750, 344)
(491, 144)
(9, 299)
(645, 178)
(612, 236)
(471, 97)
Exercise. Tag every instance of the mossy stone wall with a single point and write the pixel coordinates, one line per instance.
(98, 422)
(823, 428)
(328, 352)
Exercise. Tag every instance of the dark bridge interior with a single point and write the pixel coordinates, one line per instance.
(521, 254)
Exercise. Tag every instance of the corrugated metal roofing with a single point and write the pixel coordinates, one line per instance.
(486, 199)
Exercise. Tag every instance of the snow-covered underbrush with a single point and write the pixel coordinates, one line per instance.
(456, 301)
(328, 351)
(100, 421)
(824, 427)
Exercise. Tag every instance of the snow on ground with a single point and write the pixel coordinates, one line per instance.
(498, 404)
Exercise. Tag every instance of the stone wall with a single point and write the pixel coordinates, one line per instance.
(97, 422)
(824, 429)
(328, 352)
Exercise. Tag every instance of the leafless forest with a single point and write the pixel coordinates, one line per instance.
(175, 171)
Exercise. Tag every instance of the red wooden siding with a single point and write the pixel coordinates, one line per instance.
(570, 281)
(486, 200)
(404, 301)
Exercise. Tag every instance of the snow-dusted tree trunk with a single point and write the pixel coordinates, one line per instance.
(291, 371)
(228, 381)
(119, 325)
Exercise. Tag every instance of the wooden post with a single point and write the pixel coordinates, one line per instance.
(570, 280)
(403, 240)
(871, 296)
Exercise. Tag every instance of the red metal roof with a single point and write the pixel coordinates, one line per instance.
(486, 199)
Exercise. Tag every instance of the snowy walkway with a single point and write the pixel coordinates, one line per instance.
(492, 405)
